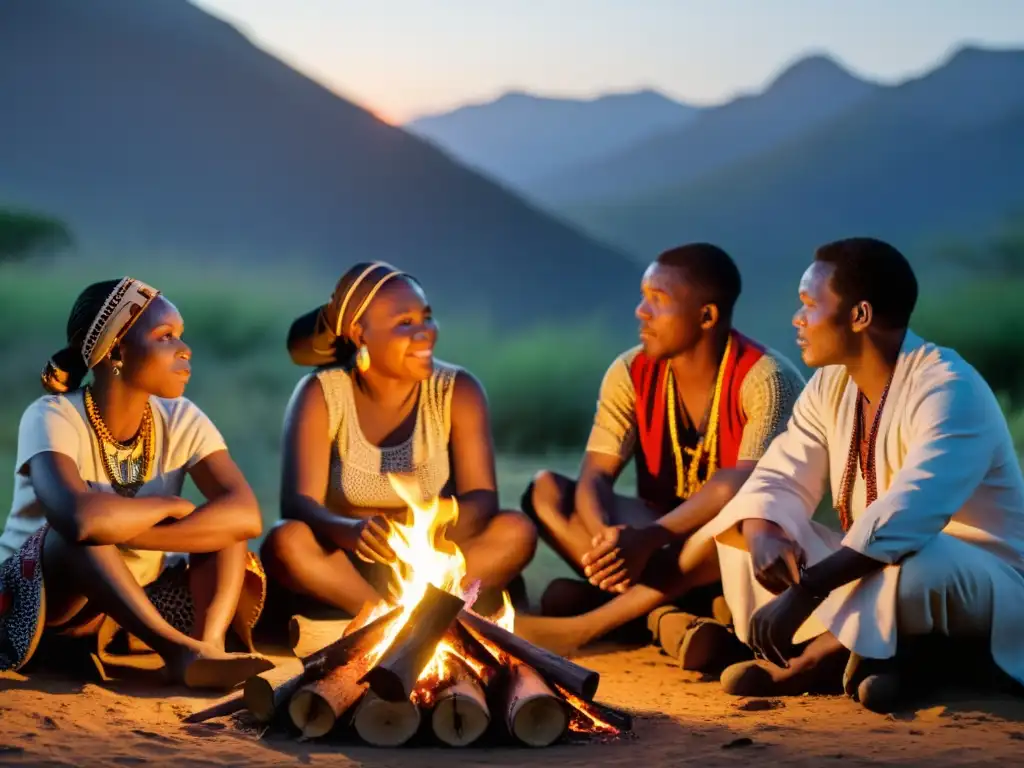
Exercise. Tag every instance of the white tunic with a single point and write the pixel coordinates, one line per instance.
(949, 483)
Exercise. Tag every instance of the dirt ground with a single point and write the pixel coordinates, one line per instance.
(49, 720)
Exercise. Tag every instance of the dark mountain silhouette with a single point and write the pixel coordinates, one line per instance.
(521, 138)
(811, 92)
(153, 124)
(939, 155)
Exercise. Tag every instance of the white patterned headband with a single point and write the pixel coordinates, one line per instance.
(120, 311)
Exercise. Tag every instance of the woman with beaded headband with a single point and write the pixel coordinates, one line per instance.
(379, 404)
(97, 501)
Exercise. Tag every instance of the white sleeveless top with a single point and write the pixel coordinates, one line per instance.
(183, 437)
(359, 469)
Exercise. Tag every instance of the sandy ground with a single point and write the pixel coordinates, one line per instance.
(48, 720)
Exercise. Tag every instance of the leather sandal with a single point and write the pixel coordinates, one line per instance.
(710, 646)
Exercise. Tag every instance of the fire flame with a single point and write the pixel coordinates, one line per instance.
(418, 561)
(588, 719)
(424, 555)
(507, 618)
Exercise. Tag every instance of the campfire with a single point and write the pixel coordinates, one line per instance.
(423, 663)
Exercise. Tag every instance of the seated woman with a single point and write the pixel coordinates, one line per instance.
(97, 501)
(382, 404)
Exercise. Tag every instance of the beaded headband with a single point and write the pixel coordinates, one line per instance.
(120, 311)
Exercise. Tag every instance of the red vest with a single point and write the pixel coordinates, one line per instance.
(655, 465)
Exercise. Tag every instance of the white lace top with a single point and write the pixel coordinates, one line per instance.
(359, 469)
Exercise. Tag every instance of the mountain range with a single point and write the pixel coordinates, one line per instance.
(158, 127)
(151, 125)
(817, 155)
(522, 139)
(942, 154)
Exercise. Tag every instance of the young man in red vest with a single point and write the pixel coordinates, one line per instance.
(695, 405)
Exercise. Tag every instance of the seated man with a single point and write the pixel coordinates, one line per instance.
(927, 487)
(696, 405)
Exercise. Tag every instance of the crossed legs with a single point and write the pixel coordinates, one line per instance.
(85, 580)
(670, 574)
(303, 564)
(946, 592)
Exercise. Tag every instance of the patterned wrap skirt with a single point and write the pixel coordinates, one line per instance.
(23, 601)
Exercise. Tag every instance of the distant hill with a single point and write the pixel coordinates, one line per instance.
(152, 125)
(811, 92)
(521, 138)
(943, 153)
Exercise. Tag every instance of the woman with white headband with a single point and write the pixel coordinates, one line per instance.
(97, 502)
(381, 404)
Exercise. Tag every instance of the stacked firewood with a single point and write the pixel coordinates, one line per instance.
(490, 682)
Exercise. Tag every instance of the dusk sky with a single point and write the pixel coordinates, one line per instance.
(405, 58)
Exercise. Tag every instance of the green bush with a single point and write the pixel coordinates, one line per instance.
(984, 322)
(541, 385)
(24, 234)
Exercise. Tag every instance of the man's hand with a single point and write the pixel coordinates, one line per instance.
(776, 557)
(773, 624)
(619, 555)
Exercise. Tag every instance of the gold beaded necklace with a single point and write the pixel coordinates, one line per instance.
(127, 475)
(689, 482)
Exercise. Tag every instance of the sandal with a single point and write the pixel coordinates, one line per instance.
(710, 646)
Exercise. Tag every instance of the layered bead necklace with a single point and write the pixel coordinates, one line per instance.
(688, 480)
(127, 464)
(856, 459)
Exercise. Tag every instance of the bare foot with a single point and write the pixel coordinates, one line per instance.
(562, 636)
(208, 667)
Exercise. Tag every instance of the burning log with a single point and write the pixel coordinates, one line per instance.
(596, 716)
(307, 636)
(315, 708)
(578, 680)
(394, 676)
(484, 664)
(385, 723)
(263, 698)
(533, 713)
(460, 713)
(235, 701)
(430, 654)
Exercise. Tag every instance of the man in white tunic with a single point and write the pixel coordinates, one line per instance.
(926, 482)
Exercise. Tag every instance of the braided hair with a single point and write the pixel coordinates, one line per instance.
(66, 369)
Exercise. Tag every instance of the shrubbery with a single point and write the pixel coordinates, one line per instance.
(24, 234)
(542, 385)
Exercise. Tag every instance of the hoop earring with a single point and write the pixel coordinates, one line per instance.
(363, 359)
(117, 368)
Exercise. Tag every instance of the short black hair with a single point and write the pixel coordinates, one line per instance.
(710, 268)
(874, 271)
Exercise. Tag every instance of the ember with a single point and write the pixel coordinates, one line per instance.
(423, 662)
